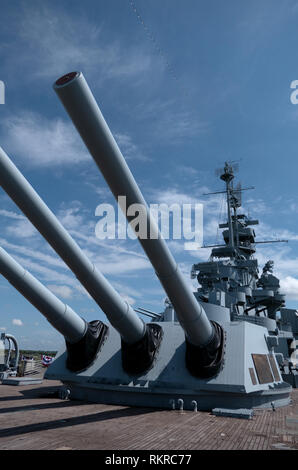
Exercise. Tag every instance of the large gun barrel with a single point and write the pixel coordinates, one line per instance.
(121, 315)
(60, 315)
(83, 339)
(80, 104)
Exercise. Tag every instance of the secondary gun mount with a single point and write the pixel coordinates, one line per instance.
(204, 338)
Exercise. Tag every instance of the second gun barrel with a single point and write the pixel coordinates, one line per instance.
(60, 315)
(118, 311)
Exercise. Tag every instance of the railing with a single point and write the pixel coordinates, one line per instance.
(269, 323)
(30, 367)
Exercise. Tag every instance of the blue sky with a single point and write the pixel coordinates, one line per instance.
(184, 86)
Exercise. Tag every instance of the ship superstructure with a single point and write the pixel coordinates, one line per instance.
(231, 279)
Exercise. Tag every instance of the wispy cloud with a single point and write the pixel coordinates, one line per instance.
(56, 42)
(112, 264)
(174, 195)
(61, 291)
(257, 206)
(289, 287)
(176, 126)
(11, 215)
(173, 125)
(285, 262)
(72, 217)
(21, 229)
(129, 149)
(268, 232)
(45, 273)
(42, 142)
(259, 23)
(39, 255)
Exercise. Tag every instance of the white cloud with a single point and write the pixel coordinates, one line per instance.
(112, 264)
(56, 42)
(61, 291)
(188, 171)
(42, 142)
(17, 322)
(173, 196)
(12, 215)
(212, 231)
(72, 217)
(167, 123)
(201, 255)
(176, 246)
(36, 254)
(42, 339)
(289, 287)
(126, 290)
(129, 149)
(257, 206)
(285, 267)
(175, 126)
(268, 232)
(127, 298)
(45, 273)
(113, 246)
(212, 211)
(21, 229)
(178, 196)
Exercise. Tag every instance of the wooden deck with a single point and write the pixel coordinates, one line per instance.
(31, 420)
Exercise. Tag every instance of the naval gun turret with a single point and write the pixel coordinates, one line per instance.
(194, 354)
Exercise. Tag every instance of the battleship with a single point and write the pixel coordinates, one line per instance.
(220, 349)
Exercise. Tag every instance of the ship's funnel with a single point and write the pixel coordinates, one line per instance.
(82, 338)
(82, 108)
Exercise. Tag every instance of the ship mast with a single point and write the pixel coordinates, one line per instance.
(238, 238)
(228, 177)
